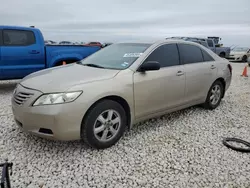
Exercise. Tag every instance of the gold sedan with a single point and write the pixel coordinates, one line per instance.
(97, 98)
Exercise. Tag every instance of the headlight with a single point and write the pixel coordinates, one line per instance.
(57, 98)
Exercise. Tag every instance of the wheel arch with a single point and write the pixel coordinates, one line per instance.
(117, 99)
(222, 54)
(67, 60)
(65, 57)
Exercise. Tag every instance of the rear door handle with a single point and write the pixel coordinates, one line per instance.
(34, 52)
(213, 67)
(179, 73)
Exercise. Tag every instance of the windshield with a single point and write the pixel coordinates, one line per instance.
(116, 56)
(240, 49)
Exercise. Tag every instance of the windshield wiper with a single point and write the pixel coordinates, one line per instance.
(93, 65)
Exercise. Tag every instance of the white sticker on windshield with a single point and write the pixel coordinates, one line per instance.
(124, 65)
(132, 54)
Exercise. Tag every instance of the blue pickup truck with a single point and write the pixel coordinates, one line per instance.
(23, 51)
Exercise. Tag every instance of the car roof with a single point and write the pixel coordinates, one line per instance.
(134, 43)
(164, 41)
(161, 42)
(176, 41)
(185, 37)
(17, 27)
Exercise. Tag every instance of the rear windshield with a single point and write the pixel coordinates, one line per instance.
(116, 56)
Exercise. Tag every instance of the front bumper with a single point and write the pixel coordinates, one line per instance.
(58, 122)
(234, 58)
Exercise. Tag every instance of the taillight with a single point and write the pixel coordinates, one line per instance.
(230, 68)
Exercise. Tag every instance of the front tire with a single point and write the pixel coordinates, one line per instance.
(104, 124)
(222, 55)
(244, 58)
(214, 95)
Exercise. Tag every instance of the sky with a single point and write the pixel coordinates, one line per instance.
(132, 20)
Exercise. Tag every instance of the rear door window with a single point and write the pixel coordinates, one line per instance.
(190, 54)
(18, 38)
(167, 55)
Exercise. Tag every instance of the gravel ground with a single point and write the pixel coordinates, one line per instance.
(182, 149)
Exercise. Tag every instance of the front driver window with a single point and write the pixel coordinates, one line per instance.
(167, 55)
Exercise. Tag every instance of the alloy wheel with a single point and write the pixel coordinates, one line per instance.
(215, 94)
(107, 125)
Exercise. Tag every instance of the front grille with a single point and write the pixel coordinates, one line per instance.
(21, 97)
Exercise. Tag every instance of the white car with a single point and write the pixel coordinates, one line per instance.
(239, 54)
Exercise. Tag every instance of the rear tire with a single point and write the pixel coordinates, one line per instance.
(104, 124)
(214, 95)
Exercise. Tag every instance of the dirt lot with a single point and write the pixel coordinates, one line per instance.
(182, 149)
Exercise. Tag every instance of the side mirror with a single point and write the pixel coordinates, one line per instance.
(149, 66)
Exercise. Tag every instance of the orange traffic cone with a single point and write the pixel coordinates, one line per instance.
(64, 63)
(244, 73)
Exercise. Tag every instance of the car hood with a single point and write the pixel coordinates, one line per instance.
(59, 79)
(224, 48)
(237, 53)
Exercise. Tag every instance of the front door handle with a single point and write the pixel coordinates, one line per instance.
(34, 52)
(213, 67)
(179, 73)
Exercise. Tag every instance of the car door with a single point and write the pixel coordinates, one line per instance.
(21, 54)
(200, 69)
(156, 91)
